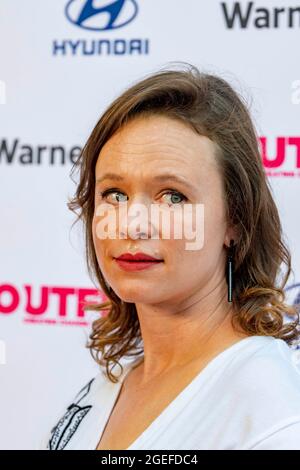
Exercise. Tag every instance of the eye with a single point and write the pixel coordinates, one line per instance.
(174, 197)
(111, 191)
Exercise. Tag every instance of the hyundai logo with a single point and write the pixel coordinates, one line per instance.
(101, 15)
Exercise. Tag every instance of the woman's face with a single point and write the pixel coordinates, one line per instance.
(138, 154)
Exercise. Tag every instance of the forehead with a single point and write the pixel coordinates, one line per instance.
(154, 143)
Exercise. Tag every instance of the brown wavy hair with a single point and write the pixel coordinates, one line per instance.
(211, 107)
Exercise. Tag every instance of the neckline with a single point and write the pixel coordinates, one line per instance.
(186, 392)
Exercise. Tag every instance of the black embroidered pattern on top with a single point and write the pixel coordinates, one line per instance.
(68, 424)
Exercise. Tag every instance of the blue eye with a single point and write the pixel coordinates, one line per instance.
(176, 195)
(110, 191)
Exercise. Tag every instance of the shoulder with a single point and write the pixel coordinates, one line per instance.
(254, 392)
(265, 388)
(284, 436)
(273, 366)
(261, 370)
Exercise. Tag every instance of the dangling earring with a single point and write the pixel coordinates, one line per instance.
(230, 269)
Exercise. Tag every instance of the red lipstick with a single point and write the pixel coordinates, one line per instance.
(137, 262)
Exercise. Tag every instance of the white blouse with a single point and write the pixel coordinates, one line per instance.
(246, 397)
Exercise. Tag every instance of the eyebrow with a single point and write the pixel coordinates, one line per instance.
(160, 178)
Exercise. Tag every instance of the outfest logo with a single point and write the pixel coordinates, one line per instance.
(49, 304)
(284, 161)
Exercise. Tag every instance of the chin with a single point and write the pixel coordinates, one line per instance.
(135, 294)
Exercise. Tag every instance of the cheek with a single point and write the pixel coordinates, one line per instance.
(186, 270)
(196, 255)
(99, 240)
(215, 226)
(187, 226)
(104, 224)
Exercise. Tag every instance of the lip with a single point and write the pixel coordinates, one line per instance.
(137, 265)
(137, 257)
(137, 262)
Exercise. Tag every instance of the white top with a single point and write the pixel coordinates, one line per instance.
(246, 397)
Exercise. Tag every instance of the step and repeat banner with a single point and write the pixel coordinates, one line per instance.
(61, 63)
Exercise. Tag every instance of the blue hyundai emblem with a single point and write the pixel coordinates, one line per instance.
(101, 15)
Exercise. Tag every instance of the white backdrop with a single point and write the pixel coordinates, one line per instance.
(56, 78)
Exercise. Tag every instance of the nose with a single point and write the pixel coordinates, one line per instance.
(135, 220)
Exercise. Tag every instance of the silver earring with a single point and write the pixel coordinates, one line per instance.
(230, 269)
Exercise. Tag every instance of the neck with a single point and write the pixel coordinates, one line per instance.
(177, 337)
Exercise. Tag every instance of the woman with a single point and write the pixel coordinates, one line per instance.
(212, 367)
